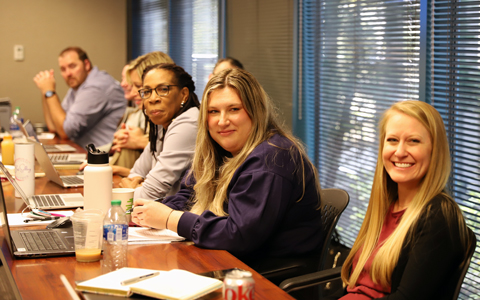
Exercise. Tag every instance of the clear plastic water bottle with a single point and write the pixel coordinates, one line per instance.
(115, 237)
(14, 129)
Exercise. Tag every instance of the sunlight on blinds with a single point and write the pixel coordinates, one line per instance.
(363, 56)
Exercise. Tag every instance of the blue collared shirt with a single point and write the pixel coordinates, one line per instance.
(94, 109)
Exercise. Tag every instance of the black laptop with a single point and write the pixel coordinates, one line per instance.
(36, 243)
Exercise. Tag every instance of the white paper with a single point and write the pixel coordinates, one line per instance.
(46, 136)
(141, 235)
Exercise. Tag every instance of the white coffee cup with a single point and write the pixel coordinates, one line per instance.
(124, 194)
(25, 168)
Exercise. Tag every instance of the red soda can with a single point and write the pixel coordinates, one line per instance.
(238, 285)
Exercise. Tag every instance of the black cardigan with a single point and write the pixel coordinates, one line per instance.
(426, 265)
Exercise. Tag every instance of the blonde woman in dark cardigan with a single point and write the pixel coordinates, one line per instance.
(413, 236)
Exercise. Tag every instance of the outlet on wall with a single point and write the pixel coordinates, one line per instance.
(18, 53)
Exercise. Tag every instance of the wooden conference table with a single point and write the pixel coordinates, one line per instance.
(39, 278)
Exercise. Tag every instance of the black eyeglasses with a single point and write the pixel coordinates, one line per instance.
(161, 90)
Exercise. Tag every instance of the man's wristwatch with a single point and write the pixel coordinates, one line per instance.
(49, 94)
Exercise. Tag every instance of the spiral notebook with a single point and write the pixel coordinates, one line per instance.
(173, 284)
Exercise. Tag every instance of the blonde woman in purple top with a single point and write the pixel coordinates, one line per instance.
(252, 189)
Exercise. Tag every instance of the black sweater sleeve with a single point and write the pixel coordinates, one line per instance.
(427, 263)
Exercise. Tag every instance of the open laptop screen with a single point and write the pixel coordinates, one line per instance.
(14, 183)
(27, 129)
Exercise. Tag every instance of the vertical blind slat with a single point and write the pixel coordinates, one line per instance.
(455, 80)
(361, 56)
(184, 29)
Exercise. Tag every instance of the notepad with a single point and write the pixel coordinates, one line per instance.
(142, 235)
(174, 284)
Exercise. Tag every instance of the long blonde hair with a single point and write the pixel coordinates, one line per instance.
(212, 166)
(384, 193)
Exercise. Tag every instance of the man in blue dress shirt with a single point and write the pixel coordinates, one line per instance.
(93, 106)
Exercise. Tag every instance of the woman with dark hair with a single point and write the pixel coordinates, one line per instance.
(224, 64)
(171, 109)
(130, 140)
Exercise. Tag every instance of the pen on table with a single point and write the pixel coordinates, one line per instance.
(57, 215)
(41, 219)
(47, 214)
(130, 210)
(139, 278)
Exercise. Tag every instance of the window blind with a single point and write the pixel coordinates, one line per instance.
(149, 28)
(358, 58)
(455, 93)
(184, 29)
(194, 38)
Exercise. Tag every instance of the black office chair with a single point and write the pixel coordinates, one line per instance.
(325, 276)
(333, 203)
(462, 271)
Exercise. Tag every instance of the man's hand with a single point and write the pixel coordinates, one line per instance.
(45, 81)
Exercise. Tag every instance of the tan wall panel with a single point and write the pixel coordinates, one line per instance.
(260, 35)
(44, 28)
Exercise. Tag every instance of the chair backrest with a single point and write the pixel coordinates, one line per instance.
(464, 268)
(8, 287)
(333, 203)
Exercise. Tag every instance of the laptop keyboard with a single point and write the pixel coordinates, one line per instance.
(51, 148)
(72, 180)
(59, 158)
(47, 201)
(42, 240)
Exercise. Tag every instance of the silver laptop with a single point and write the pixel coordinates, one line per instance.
(66, 159)
(50, 171)
(53, 201)
(28, 131)
(35, 243)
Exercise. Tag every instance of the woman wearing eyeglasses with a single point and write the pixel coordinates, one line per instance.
(132, 137)
(171, 109)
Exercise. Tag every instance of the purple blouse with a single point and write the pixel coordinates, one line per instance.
(264, 217)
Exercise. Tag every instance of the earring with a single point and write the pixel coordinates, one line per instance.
(181, 104)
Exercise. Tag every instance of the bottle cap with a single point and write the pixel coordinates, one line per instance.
(116, 202)
(96, 156)
(7, 137)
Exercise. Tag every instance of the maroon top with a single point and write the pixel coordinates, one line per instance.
(365, 288)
